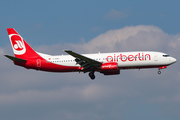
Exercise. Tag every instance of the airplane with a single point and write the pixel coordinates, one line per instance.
(105, 63)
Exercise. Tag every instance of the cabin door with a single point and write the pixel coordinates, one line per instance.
(155, 57)
(38, 61)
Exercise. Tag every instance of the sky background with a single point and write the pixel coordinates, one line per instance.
(88, 27)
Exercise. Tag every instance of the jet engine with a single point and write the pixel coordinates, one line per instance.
(110, 68)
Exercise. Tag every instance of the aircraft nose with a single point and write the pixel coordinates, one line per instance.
(173, 60)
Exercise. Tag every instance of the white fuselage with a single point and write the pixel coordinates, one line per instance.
(138, 59)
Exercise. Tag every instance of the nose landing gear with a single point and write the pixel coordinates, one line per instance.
(159, 72)
(91, 75)
(163, 67)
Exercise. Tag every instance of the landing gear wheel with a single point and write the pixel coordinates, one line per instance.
(91, 75)
(159, 72)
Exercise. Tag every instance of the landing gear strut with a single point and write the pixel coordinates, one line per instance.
(91, 75)
(163, 67)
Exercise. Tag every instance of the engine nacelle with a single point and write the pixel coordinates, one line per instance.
(109, 66)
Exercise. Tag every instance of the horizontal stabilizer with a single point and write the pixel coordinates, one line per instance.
(15, 59)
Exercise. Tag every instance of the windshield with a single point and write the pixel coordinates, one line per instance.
(165, 55)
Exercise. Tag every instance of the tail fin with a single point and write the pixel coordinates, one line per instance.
(20, 47)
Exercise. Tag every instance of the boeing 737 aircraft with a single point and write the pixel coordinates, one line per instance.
(105, 63)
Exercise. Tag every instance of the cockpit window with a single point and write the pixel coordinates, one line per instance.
(165, 55)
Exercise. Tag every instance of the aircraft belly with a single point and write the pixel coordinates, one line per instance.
(136, 64)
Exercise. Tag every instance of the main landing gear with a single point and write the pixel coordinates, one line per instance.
(91, 75)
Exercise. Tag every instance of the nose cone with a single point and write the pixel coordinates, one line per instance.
(173, 60)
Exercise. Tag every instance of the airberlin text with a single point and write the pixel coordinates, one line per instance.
(124, 58)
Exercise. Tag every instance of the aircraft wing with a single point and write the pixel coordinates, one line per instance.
(85, 62)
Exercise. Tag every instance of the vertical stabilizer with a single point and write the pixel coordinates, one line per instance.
(20, 48)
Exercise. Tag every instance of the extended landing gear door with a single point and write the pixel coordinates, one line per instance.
(38, 61)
